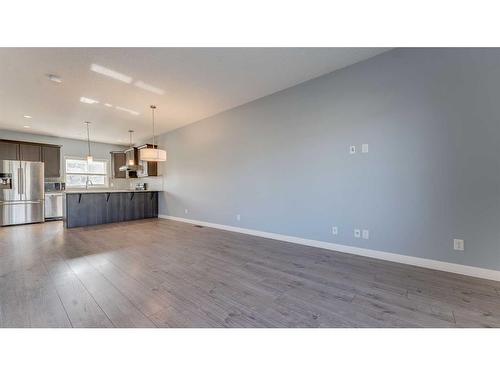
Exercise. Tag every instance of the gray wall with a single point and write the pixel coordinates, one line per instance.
(432, 120)
(70, 147)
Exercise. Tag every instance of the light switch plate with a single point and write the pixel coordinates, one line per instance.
(352, 149)
(335, 231)
(365, 234)
(458, 244)
(364, 148)
(357, 233)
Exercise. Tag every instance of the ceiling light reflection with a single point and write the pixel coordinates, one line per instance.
(110, 73)
(85, 100)
(148, 87)
(132, 112)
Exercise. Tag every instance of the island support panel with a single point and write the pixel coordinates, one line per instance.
(83, 209)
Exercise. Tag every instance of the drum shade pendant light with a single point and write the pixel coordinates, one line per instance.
(89, 156)
(153, 154)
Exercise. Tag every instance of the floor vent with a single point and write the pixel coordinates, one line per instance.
(199, 226)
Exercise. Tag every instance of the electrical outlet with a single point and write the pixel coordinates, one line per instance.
(357, 233)
(335, 231)
(186, 210)
(364, 148)
(458, 244)
(366, 234)
(352, 149)
(238, 217)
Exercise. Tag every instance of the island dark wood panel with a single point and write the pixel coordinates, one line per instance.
(84, 209)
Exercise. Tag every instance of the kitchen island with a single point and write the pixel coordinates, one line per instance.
(92, 207)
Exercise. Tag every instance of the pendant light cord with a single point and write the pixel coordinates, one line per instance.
(153, 119)
(88, 136)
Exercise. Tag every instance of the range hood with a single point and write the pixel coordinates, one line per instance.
(129, 168)
(131, 160)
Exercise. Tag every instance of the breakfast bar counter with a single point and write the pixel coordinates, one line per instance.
(92, 207)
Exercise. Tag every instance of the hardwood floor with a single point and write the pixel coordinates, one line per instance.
(162, 273)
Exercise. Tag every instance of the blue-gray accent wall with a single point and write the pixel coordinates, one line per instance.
(431, 118)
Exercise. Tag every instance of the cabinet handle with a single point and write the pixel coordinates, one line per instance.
(107, 198)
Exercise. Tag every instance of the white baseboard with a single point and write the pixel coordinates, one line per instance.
(483, 273)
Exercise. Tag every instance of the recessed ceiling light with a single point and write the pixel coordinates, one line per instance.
(83, 99)
(148, 87)
(27, 116)
(108, 105)
(54, 78)
(26, 126)
(132, 112)
(110, 73)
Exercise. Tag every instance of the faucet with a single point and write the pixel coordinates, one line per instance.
(87, 183)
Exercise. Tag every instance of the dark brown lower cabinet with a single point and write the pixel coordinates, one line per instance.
(83, 209)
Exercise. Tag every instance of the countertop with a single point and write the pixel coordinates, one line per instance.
(95, 191)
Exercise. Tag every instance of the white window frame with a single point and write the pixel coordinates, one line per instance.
(106, 175)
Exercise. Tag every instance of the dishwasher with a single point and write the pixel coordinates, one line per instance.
(53, 206)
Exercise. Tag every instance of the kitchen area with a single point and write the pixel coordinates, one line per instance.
(39, 182)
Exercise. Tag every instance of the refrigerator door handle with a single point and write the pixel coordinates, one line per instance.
(26, 177)
(20, 180)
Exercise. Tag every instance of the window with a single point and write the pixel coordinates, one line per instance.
(78, 170)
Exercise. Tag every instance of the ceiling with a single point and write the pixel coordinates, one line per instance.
(186, 84)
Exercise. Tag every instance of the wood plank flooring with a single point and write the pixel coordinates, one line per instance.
(162, 273)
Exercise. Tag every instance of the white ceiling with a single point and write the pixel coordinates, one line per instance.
(197, 83)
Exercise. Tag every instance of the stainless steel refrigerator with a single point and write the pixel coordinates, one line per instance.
(21, 192)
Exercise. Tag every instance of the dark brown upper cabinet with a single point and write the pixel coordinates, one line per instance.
(118, 159)
(30, 152)
(9, 150)
(51, 156)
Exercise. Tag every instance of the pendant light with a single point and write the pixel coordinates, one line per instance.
(130, 161)
(89, 156)
(153, 154)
